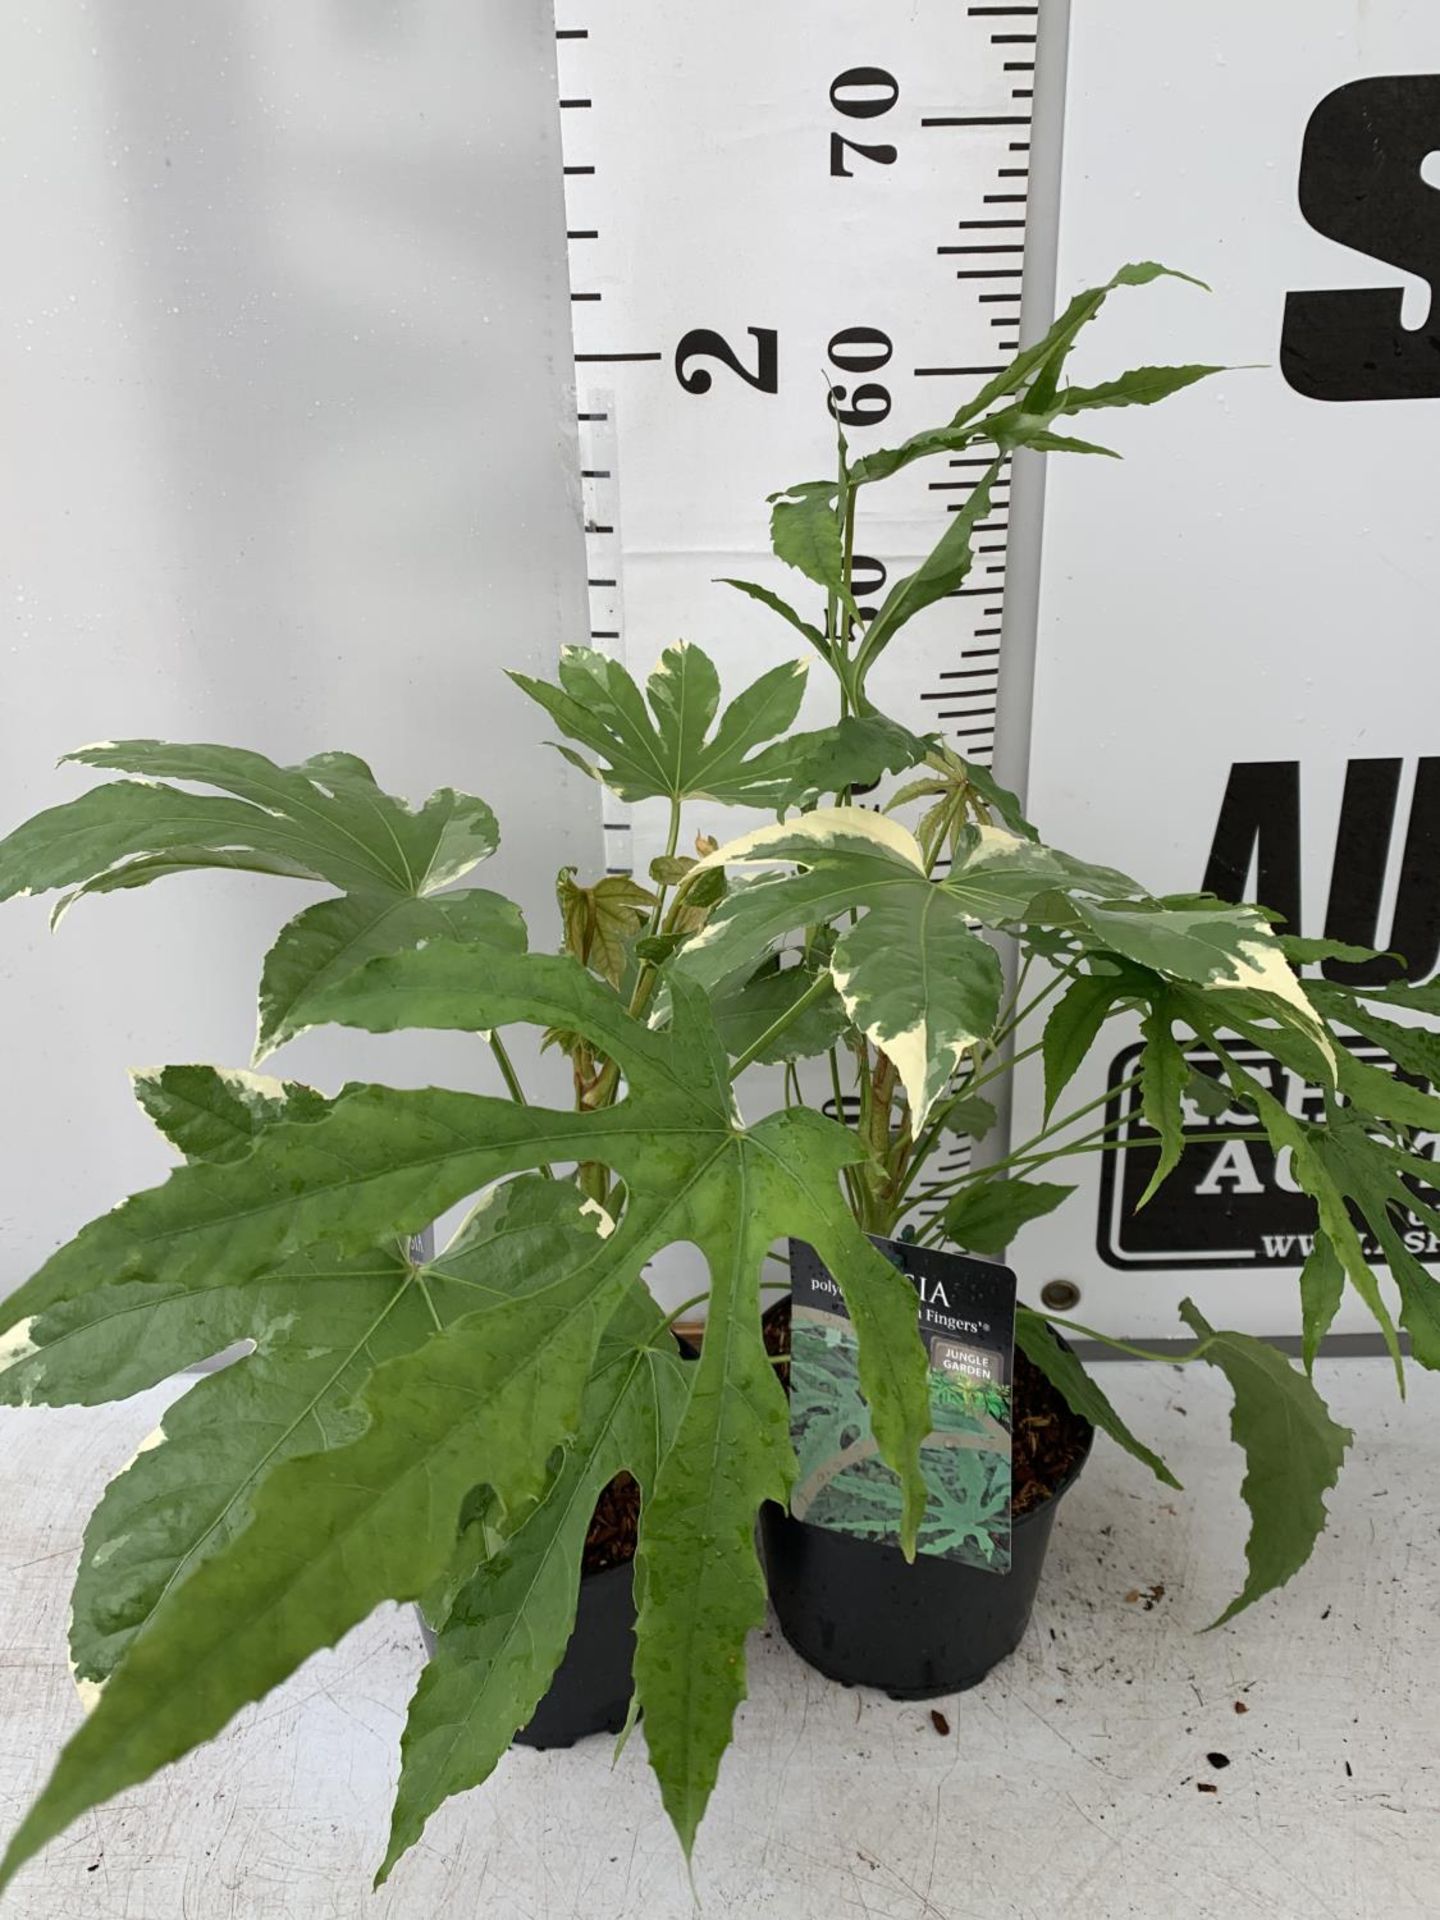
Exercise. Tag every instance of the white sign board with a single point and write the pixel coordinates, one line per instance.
(1237, 645)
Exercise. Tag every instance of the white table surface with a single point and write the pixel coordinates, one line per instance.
(1068, 1785)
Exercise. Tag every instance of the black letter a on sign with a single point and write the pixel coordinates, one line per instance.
(1260, 821)
(1360, 184)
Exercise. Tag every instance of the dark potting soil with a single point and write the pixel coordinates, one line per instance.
(1048, 1441)
(611, 1539)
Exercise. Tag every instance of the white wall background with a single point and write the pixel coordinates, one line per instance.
(287, 462)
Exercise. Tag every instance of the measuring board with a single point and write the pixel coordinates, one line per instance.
(765, 207)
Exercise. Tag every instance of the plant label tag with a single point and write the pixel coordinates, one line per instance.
(967, 1323)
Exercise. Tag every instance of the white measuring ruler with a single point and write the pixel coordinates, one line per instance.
(762, 205)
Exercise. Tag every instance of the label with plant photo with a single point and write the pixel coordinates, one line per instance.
(967, 1322)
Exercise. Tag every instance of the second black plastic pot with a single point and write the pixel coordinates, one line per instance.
(862, 1614)
(590, 1692)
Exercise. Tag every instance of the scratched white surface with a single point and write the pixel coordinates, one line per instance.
(1067, 1786)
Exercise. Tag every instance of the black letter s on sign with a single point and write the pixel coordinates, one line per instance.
(1360, 184)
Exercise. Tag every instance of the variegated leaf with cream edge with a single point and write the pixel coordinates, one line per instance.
(324, 820)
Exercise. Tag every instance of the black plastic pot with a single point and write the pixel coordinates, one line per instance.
(863, 1615)
(591, 1688)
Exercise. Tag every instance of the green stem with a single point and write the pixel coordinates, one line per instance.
(512, 1081)
(1126, 1346)
(672, 840)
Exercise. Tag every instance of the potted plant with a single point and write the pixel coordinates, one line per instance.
(440, 1429)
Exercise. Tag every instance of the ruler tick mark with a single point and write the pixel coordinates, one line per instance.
(928, 373)
(999, 249)
(578, 169)
(991, 273)
(576, 103)
(977, 120)
(588, 359)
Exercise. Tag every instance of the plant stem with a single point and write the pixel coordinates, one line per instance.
(672, 840)
(512, 1081)
(1125, 1346)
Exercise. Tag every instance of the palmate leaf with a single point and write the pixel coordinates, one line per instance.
(1293, 1453)
(320, 1330)
(324, 820)
(731, 1191)
(508, 1627)
(666, 749)
(331, 1534)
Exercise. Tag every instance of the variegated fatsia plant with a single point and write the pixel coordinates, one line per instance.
(438, 1429)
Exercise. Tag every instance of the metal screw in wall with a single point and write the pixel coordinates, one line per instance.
(1061, 1296)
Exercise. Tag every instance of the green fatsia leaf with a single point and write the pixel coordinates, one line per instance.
(940, 573)
(1164, 1077)
(1080, 1392)
(1293, 1454)
(856, 752)
(320, 1329)
(213, 1114)
(663, 749)
(746, 1012)
(320, 1333)
(1413, 1049)
(805, 532)
(509, 1625)
(1073, 1027)
(1140, 387)
(1322, 1283)
(1289, 1134)
(1342, 1162)
(1035, 372)
(921, 985)
(325, 819)
(333, 1534)
(330, 939)
(985, 1215)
